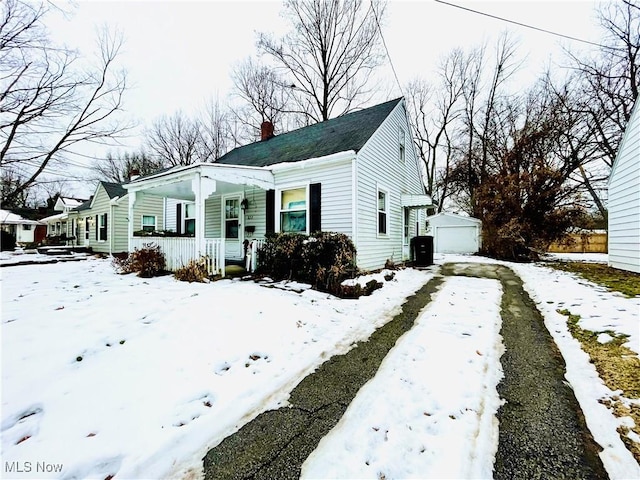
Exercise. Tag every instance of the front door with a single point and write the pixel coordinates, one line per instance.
(231, 227)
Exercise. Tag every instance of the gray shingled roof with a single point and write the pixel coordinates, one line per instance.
(114, 189)
(348, 132)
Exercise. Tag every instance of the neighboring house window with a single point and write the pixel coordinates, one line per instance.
(190, 218)
(402, 142)
(102, 227)
(293, 210)
(26, 226)
(383, 212)
(149, 223)
(86, 228)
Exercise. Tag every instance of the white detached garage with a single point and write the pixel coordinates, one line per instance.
(454, 233)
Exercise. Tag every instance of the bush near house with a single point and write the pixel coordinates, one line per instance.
(323, 259)
(194, 271)
(148, 261)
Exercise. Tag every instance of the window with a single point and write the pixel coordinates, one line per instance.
(401, 139)
(26, 226)
(149, 223)
(86, 227)
(383, 208)
(293, 210)
(231, 218)
(190, 218)
(102, 227)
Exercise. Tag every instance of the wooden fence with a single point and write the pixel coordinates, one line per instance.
(581, 243)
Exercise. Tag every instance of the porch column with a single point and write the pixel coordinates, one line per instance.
(132, 203)
(202, 188)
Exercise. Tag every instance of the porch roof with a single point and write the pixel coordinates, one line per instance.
(416, 201)
(177, 182)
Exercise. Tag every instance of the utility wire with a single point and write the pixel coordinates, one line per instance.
(384, 43)
(569, 37)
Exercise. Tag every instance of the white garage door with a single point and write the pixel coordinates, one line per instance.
(456, 239)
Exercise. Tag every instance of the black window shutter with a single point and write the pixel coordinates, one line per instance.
(97, 228)
(179, 218)
(271, 211)
(106, 227)
(315, 196)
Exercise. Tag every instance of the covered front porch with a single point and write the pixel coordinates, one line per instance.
(212, 211)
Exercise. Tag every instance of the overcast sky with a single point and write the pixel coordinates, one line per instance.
(180, 53)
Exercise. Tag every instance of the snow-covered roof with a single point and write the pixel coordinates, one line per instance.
(57, 216)
(9, 218)
(67, 203)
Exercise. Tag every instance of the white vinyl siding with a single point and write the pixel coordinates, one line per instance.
(117, 222)
(378, 164)
(336, 184)
(624, 200)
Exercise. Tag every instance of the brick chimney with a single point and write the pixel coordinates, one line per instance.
(266, 130)
(133, 174)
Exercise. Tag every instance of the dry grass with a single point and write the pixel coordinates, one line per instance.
(627, 283)
(619, 368)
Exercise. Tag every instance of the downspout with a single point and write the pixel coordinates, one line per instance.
(354, 201)
(111, 233)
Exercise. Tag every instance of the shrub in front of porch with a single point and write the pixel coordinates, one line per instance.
(148, 261)
(323, 259)
(194, 271)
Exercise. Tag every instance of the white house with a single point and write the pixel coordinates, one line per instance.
(22, 228)
(624, 199)
(357, 174)
(454, 233)
(59, 224)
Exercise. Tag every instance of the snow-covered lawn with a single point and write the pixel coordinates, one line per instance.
(115, 375)
(106, 374)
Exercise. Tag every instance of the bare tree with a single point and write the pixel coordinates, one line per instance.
(328, 57)
(488, 107)
(47, 103)
(118, 168)
(176, 140)
(434, 111)
(215, 131)
(263, 97)
(608, 81)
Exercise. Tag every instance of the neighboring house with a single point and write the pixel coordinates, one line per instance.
(59, 225)
(624, 199)
(103, 221)
(454, 233)
(357, 174)
(25, 230)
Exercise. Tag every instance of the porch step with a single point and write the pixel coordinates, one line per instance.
(232, 271)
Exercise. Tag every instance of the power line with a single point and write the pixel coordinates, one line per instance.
(384, 43)
(569, 37)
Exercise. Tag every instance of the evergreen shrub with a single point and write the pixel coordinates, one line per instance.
(322, 259)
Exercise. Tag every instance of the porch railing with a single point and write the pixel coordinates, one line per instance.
(178, 251)
(253, 261)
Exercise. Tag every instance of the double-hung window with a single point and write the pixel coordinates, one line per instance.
(190, 218)
(383, 212)
(149, 223)
(103, 227)
(293, 210)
